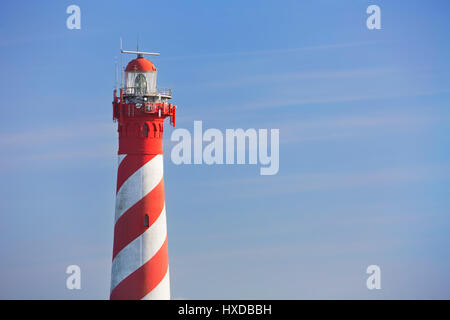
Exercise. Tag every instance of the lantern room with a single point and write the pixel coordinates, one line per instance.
(140, 78)
(138, 94)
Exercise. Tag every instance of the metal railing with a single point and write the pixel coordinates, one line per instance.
(139, 91)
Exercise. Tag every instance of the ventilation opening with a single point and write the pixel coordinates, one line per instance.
(146, 221)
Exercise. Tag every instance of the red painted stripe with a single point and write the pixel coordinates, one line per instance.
(145, 279)
(131, 224)
(129, 165)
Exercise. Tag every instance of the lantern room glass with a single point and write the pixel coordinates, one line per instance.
(140, 83)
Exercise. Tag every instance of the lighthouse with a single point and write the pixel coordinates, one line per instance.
(140, 264)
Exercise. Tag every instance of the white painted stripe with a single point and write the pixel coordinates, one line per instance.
(139, 251)
(161, 291)
(139, 184)
(121, 157)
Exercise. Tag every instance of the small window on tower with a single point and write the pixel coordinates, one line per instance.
(154, 130)
(146, 221)
(145, 130)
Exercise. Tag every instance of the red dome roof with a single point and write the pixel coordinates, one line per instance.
(140, 64)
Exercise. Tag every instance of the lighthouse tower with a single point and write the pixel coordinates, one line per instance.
(140, 266)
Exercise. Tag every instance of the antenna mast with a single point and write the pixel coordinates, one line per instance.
(116, 67)
(121, 64)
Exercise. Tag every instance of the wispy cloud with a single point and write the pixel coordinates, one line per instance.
(324, 181)
(273, 51)
(342, 127)
(292, 76)
(74, 141)
(39, 136)
(336, 99)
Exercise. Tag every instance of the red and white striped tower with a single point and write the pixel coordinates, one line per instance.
(140, 266)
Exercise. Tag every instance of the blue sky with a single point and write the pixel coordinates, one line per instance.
(364, 125)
